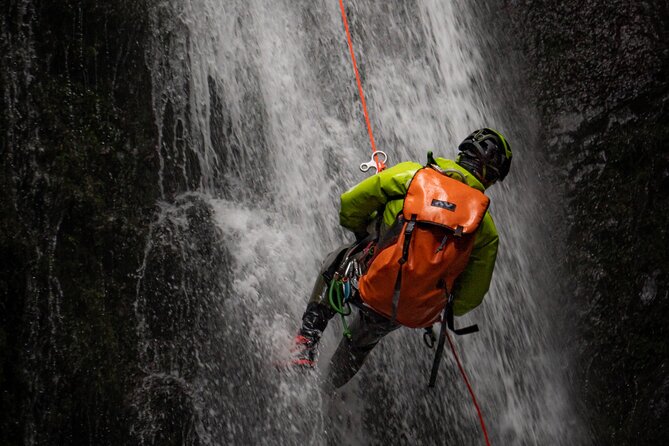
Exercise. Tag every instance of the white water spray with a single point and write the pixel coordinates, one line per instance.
(278, 131)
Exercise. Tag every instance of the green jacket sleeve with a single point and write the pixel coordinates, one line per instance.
(474, 281)
(359, 203)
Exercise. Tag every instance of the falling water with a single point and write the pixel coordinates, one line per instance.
(261, 131)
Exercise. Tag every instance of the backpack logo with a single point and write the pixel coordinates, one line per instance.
(444, 205)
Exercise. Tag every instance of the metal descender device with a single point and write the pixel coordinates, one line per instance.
(376, 156)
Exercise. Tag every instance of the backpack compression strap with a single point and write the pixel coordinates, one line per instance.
(447, 323)
(408, 230)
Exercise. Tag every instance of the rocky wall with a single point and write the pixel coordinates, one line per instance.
(78, 185)
(599, 71)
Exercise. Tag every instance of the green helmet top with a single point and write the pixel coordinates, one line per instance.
(486, 154)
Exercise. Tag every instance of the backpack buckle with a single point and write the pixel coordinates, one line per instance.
(429, 338)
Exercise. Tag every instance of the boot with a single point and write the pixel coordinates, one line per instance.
(303, 353)
(305, 345)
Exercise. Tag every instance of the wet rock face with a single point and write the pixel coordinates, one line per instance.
(600, 74)
(108, 265)
(77, 190)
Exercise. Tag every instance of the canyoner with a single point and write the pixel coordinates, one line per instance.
(424, 251)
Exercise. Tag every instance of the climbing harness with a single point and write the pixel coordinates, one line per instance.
(376, 162)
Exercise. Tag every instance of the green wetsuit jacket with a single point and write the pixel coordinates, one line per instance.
(385, 192)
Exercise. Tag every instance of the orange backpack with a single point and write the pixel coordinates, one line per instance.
(417, 262)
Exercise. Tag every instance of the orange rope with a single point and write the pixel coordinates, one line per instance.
(379, 164)
(471, 391)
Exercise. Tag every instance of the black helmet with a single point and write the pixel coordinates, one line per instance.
(486, 154)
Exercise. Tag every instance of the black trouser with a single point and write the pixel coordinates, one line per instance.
(367, 329)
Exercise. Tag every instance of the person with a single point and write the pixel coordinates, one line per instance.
(377, 202)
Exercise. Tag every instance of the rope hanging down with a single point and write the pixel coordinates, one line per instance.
(376, 155)
(471, 391)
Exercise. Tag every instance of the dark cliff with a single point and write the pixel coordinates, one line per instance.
(106, 259)
(599, 71)
(77, 190)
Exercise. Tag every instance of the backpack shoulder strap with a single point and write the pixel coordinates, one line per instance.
(408, 231)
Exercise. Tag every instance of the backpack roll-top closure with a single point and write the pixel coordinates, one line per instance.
(439, 199)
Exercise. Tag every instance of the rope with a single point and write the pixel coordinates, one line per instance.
(471, 391)
(340, 306)
(379, 164)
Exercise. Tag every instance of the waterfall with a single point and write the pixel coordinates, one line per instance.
(260, 132)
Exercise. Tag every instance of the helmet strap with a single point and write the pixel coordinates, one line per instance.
(472, 165)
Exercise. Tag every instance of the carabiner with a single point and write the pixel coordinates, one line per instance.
(351, 265)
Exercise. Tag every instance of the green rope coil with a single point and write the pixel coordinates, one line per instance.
(338, 304)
